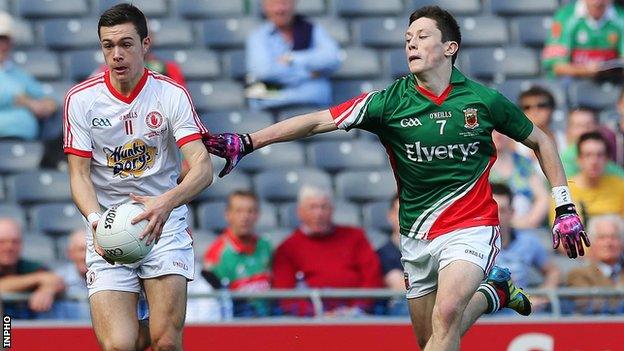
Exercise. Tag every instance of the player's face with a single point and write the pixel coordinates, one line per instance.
(424, 47)
(280, 12)
(316, 214)
(592, 158)
(10, 244)
(124, 51)
(242, 215)
(537, 109)
(606, 242)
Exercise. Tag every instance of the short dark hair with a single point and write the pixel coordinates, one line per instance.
(592, 136)
(536, 90)
(124, 13)
(244, 193)
(445, 21)
(502, 189)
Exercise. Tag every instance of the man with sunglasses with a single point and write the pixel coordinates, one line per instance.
(538, 104)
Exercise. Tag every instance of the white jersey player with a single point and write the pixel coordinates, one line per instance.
(123, 131)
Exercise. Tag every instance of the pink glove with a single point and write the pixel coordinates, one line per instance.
(569, 231)
(231, 146)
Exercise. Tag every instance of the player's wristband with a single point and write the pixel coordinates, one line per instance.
(562, 196)
(247, 143)
(93, 217)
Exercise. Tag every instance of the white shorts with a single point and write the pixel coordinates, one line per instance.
(423, 259)
(172, 255)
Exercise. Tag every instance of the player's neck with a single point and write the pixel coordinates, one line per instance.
(435, 80)
(126, 88)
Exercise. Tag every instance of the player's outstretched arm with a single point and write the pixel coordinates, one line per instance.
(233, 146)
(568, 229)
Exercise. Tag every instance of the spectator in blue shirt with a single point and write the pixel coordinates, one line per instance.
(22, 100)
(522, 251)
(289, 60)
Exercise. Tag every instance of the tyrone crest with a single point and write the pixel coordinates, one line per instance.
(153, 120)
(470, 116)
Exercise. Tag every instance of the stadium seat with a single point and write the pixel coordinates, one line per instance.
(380, 32)
(55, 218)
(334, 156)
(83, 63)
(295, 111)
(365, 185)
(211, 216)
(4, 5)
(13, 211)
(358, 62)
(268, 217)
(457, 8)
(222, 187)
(344, 90)
(593, 95)
(202, 239)
(196, 64)
(171, 33)
(39, 247)
(58, 90)
(228, 33)
(311, 7)
(41, 64)
(524, 7)
(483, 31)
(59, 34)
(396, 63)
(609, 118)
(531, 30)
(49, 9)
(276, 236)
(512, 88)
(2, 193)
(375, 215)
(376, 238)
(345, 213)
(151, 8)
(195, 9)
(18, 156)
(284, 185)
(350, 8)
(281, 155)
(39, 186)
(337, 29)
(23, 34)
(500, 63)
(234, 64)
(287, 113)
(236, 121)
(217, 95)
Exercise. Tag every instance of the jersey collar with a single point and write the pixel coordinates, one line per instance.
(135, 92)
(238, 245)
(456, 78)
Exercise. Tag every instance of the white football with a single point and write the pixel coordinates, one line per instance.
(119, 237)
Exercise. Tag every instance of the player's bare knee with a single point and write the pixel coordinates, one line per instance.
(118, 344)
(166, 343)
(447, 312)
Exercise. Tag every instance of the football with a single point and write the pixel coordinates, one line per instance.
(119, 237)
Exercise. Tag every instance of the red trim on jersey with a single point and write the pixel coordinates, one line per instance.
(68, 138)
(81, 153)
(255, 279)
(438, 100)
(213, 254)
(198, 122)
(135, 92)
(349, 105)
(188, 139)
(475, 208)
(580, 55)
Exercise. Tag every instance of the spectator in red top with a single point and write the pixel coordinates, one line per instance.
(320, 254)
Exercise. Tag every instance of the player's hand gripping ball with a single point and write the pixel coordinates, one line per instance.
(119, 238)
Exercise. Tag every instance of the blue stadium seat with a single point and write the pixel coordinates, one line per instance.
(344, 90)
(483, 31)
(196, 64)
(311, 7)
(295, 111)
(151, 8)
(83, 63)
(375, 215)
(282, 155)
(236, 121)
(234, 64)
(4, 5)
(39, 186)
(512, 88)
(49, 9)
(365, 185)
(500, 63)
(211, 216)
(376, 238)
(396, 63)
(59, 34)
(358, 62)
(337, 29)
(23, 34)
(58, 90)
(14, 211)
(334, 156)
(55, 218)
(222, 187)
(593, 95)
(268, 217)
(532, 30)
(228, 33)
(2, 192)
(287, 113)
(380, 32)
(345, 213)
(524, 7)
(350, 8)
(609, 118)
(41, 64)
(195, 9)
(39, 247)
(457, 8)
(217, 95)
(202, 240)
(283, 185)
(276, 236)
(171, 33)
(19, 156)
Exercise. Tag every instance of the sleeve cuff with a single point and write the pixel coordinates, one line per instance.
(188, 139)
(81, 153)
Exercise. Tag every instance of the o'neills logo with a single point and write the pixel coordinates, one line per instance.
(132, 158)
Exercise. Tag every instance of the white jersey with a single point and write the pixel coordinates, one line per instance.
(132, 141)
